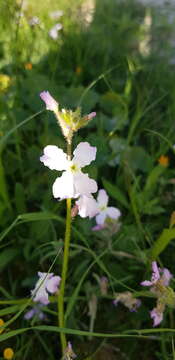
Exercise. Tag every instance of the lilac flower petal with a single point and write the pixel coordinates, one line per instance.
(115, 302)
(100, 218)
(63, 187)
(146, 283)
(113, 212)
(102, 198)
(54, 158)
(91, 115)
(98, 227)
(156, 316)
(155, 274)
(52, 284)
(51, 103)
(83, 184)
(84, 154)
(29, 314)
(166, 277)
(87, 206)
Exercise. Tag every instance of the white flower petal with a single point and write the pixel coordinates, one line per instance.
(87, 206)
(113, 212)
(54, 158)
(63, 186)
(100, 218)
(51, 103)
(84, 154)
(83, 184)
(102, 198)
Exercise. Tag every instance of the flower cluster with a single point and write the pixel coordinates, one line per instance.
(159, 285)
(69, 121)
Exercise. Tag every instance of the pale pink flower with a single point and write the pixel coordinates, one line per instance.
(47, 283)
(73, 181)
(87, 206)
(51, 103)
(104, 210)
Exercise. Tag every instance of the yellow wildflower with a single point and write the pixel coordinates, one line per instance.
(4, 82)
(1, 324)
(28, 66)
(164, 160)
(78, 70)
(8, 353)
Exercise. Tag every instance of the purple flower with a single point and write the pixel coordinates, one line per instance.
(51, 103)
(162, 275)
(157, 316)
(155, 276)
(47, 283)
(35, 311)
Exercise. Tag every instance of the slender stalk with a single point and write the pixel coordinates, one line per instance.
(61, 316)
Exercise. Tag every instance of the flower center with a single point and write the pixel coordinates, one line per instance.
(73, 167)
(103, 207)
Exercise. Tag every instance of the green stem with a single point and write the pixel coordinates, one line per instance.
(61, 315)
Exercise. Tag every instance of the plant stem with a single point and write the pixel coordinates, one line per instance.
(61, 319)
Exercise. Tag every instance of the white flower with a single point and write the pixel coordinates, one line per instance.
(104, 211)
(73, 182)
(87, 206)
(47, 283)
(53, 32)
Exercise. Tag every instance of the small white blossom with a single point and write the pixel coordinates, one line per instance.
(47, 283)
(53, 32)
(104, 210)
(73, 181)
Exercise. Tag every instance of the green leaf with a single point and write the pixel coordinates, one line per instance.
(20, 198)
(116, 193)
(162, 242)
(7, 256)
(153, 177)
(9, 310)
